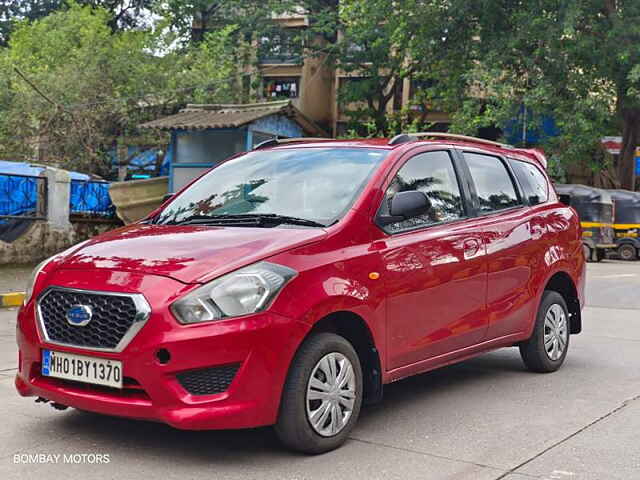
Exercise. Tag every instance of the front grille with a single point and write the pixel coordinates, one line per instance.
(207, 381)
(113, 316)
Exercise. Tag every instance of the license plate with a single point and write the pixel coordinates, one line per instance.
(99, 371)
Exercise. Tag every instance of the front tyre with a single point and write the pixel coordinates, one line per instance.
(322, 395)
(547, 348)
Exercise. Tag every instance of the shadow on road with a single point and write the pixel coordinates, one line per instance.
(261, 444)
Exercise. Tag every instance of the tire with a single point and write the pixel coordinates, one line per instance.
(535, 354)
(601, 254)
(586, 250)
(627, 252)
(294, 426)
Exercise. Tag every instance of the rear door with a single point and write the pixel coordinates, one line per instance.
(434, 265)
(510, 230)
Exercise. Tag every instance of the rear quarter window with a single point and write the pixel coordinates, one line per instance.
(533, 182)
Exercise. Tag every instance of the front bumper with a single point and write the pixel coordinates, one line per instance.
(262, 344)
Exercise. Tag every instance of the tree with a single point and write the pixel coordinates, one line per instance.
(125, 13)
(193, 19)
(74, 88)
(377, 45)
(576, 61)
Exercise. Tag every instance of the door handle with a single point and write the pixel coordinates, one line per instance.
(471, 248)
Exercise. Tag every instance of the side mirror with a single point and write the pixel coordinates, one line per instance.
(534, 200)
(564, 198)
(167, 196)
(406, 205)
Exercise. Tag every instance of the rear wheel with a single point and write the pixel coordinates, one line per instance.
(547, 348)
(322, 396)
(601, 254)
(627, 252)
(587, 252)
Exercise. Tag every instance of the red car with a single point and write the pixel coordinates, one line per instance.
(287, 285)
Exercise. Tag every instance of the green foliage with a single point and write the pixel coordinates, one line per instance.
(74, 87)
(103, 66)
(576, 61)
(125, 14)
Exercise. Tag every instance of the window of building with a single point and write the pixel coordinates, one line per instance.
(433, 174)
(493, 182)
(278, 88)
(283, 46)
(533, 182)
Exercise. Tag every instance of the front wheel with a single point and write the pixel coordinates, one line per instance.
(547, 348)
(322, 395)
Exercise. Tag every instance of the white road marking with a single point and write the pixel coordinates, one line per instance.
(559, 475)
(619, 275)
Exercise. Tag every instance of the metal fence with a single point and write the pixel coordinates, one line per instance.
(23, 197)
(90, 199)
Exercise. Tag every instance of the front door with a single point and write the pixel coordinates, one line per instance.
(435, 266)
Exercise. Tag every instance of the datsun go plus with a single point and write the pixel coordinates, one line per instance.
(289, 284)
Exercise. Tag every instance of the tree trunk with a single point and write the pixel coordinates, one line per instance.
(630, 139)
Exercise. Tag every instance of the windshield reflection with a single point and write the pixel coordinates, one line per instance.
(318, 184)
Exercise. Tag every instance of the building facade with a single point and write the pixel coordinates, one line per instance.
(287, 70)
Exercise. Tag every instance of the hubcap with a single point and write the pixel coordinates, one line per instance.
(331, 394)
(556, 333)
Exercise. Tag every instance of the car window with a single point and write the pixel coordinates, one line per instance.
(433, 174)
(533, 182)
(494, 186)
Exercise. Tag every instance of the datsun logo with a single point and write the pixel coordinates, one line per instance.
(79, 315)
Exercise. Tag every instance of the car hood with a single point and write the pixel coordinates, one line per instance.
(189, 254)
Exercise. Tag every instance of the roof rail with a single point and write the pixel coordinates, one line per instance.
(411, 137)
(283, 141)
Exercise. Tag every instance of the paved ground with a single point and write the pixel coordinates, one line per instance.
(14, 278)
(483, 419)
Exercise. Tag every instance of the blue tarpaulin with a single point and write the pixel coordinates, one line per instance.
(143, 162)
(18, 195)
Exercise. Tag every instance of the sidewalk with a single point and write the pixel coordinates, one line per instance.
(13, 278)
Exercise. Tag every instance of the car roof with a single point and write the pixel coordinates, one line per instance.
(526, 154)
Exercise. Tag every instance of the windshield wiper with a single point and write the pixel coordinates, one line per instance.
(249, 219)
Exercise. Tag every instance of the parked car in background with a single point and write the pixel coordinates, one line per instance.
(627, 223)
(596, 211)
(288, 285)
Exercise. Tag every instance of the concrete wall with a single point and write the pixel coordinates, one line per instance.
(48, 237)
(42, 240)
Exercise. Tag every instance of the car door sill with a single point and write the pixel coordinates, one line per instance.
(452, 357)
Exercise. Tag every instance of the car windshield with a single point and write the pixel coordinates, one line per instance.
(317, 185)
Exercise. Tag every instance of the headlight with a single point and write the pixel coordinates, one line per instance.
(248, 290)
(32, 280)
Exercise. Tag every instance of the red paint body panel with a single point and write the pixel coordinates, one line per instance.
(189, 253)
(444, 293)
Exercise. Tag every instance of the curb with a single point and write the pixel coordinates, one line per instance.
(13, 299)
